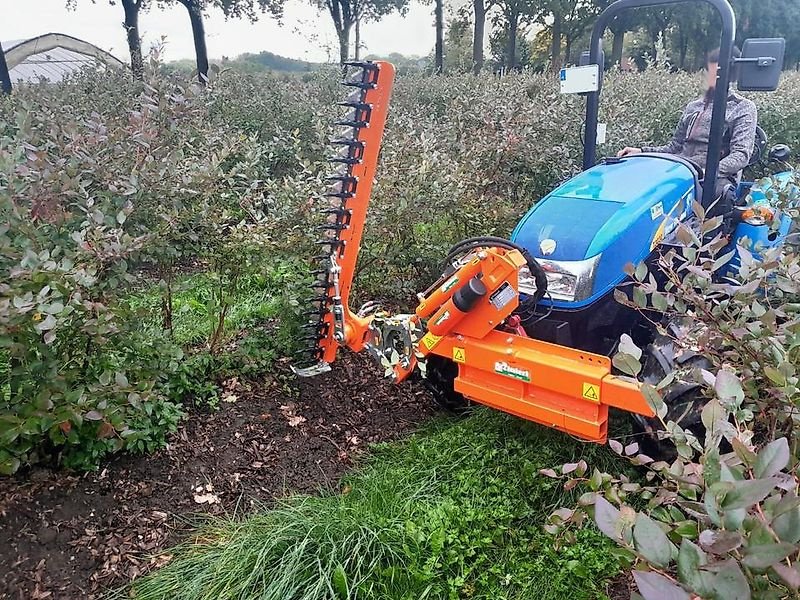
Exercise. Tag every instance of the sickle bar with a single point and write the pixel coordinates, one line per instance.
(356, 147)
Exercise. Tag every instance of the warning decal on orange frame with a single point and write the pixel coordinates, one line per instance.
(459, 355)
(591, 392)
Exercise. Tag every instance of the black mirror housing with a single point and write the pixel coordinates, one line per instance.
(761, 64)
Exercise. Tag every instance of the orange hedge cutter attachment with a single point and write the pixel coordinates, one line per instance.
(470, 317)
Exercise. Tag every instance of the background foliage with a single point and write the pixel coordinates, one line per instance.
(153, 232)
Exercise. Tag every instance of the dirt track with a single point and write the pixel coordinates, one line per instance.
(69, 536)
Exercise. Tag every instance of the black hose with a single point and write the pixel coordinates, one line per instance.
(534, 267)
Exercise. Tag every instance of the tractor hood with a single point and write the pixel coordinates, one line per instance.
(615, 213)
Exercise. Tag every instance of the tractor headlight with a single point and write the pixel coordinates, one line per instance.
(566, 280)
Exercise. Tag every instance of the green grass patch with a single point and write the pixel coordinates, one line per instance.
(196, 305)
(456, 511)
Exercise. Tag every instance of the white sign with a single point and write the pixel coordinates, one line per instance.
(580, 80)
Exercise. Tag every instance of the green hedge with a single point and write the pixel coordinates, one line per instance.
(107, 185)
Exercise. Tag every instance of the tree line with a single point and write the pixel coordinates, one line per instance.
(537, 34)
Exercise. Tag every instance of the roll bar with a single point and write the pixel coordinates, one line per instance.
(720, 96)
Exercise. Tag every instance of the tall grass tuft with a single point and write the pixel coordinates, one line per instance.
(454, 512)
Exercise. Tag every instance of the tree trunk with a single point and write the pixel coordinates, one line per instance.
(478, 35)
(617, 47)
(131, 8)
(344, 45)
(567, 49)
(555, 44)
(511, 51)
(5, 78)
(439, 51)
(199, 33)
(357, 49)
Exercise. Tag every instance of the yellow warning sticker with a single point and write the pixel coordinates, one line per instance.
(459, 354)
(591, 392)
(431, 340)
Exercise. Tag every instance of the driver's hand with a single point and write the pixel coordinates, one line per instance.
(628, 150)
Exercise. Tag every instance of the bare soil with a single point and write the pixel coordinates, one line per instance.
(70, 535)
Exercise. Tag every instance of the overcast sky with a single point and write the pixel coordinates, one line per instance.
(305, 33)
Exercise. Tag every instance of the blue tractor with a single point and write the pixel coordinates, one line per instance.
(629, 211)
(528, 325)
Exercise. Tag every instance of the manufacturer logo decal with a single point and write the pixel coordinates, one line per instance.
(656, 211)
(449, 285)
(443, 318)
(503, 368)
(547, 246)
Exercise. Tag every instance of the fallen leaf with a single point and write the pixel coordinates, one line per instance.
(296, 420)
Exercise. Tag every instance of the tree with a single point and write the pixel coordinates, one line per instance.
(458, 46)
(345, 14)
(439, 25)
(479, 10)
(513, 19)
(231, 8)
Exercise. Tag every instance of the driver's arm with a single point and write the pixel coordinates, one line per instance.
(743, 136)
(675, 145)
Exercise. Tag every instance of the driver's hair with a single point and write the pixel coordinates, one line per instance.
(713, 57)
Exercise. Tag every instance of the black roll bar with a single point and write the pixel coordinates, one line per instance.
(720, 96)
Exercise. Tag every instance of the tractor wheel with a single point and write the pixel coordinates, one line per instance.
(684, 399)
(440, 375)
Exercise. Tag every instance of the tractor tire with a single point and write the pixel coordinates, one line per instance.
(440, 375)
(684, 399)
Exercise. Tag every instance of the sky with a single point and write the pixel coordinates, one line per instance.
(305, 33)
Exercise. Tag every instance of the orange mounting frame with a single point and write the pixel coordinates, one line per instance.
(553, 385)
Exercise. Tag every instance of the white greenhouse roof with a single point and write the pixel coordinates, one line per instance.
(52, 57)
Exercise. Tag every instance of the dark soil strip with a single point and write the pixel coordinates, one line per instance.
(71, 536)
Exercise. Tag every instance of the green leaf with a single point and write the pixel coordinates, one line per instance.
(690, 559)
(787, 526)
(627, 363)
(659, 301)
(775, 376)
(651, 541)
(339, 580)
(772, 458)
(763, 556)
(627, 346)
(744, 494)
(730, 582)
(727, 386)
(719, 541)
(607, 517)
(653, 586)
(789, 574)
(654, 400)
(641, 272)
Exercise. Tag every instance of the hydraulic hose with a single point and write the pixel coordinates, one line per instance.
(533, 265)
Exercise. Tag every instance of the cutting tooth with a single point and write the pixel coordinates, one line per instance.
(336, 226)
(340, 212)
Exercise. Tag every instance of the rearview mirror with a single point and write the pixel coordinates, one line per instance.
(761, 64)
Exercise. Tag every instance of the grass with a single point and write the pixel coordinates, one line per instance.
(456, 511)
(195, 305)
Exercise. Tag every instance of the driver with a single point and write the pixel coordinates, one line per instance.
(691, 136)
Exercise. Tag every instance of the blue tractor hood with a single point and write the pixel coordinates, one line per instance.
(616, 212)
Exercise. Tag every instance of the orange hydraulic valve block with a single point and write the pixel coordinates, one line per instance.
(475, 299)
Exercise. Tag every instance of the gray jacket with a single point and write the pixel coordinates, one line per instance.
(691, 136)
